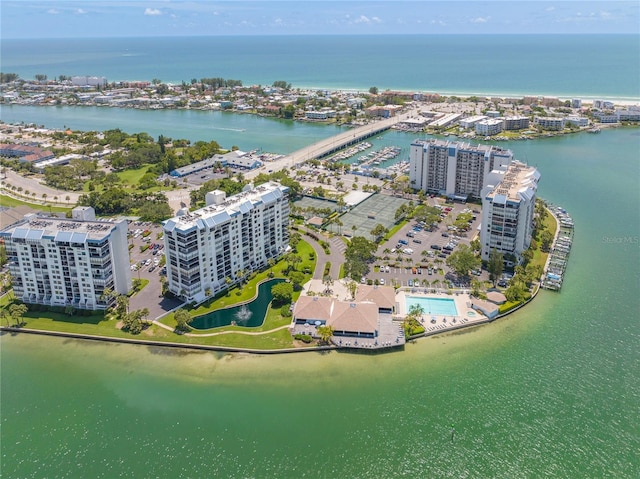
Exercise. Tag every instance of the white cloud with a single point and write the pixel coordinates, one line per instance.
(367, 20)
(53, 11)
(480, 20)
(81, 11)
(549, 9)
(152, 12)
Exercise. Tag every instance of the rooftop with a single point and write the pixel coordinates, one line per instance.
(222, 211)
(518, 181)
(34, 227)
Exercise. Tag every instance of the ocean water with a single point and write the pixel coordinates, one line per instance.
(559, 65)
(550, 391)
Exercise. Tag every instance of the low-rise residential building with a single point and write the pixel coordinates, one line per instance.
(628, 114)
(549, 123)
(515, 122)
(577, 120)
(605, 117)
(25, 153)
(386, 111)
(446, 120)
(508, 206)
(88, 81)
(219, 244)
(320, 115)
(471, 121)
(68, 262)
(489, 127)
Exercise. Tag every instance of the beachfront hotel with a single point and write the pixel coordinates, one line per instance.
(68, 262)
(454, 169)
(508, 205)
(221, 243)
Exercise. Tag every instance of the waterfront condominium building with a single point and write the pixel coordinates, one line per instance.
(224, 241)
(68, 262)
(453, 169)
(508, 205)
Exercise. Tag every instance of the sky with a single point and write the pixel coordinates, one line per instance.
(144, 18)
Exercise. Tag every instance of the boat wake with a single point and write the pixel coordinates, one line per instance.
(228, 129)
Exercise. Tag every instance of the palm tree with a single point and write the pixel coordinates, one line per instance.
(240, 274)
(328, 282)
(68, 198)
(271, 262)
(325, 333)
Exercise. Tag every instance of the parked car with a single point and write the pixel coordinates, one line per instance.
(435, 246)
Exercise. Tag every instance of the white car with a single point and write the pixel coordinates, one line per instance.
(382, 281)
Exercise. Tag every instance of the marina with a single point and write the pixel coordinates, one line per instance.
(559, 254)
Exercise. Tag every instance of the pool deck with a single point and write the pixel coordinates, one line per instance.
(390, 326)
(437, 323)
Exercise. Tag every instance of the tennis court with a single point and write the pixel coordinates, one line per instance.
(377, 209)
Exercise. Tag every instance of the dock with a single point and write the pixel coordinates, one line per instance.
(559, 254)
(336, 143)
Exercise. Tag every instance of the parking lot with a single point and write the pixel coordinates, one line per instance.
(146, 265)
(415, 255)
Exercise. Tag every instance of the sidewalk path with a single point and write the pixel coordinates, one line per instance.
(246, 333)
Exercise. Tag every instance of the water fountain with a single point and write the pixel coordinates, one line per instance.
(243, 314)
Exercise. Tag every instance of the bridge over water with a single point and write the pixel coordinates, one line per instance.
(335, 143)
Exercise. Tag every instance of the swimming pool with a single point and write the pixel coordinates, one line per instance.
(440, 306)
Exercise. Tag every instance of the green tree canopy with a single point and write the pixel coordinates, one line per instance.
(463, 260)
(183, 319)
(282, 293)
(358, 255)
(495, 266)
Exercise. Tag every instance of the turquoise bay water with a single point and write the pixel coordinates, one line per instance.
(485, 64)
(247, 131)
(551, 391)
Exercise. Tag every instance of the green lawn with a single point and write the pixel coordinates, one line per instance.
(132, 177)
(550, 224)
(97, 324)
(9, 202)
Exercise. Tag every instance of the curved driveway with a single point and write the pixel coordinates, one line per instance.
(336, 256)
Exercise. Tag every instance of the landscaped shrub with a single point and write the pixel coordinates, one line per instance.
(305, 338)
(285, 311)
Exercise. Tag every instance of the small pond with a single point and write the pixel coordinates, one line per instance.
(249, 315)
